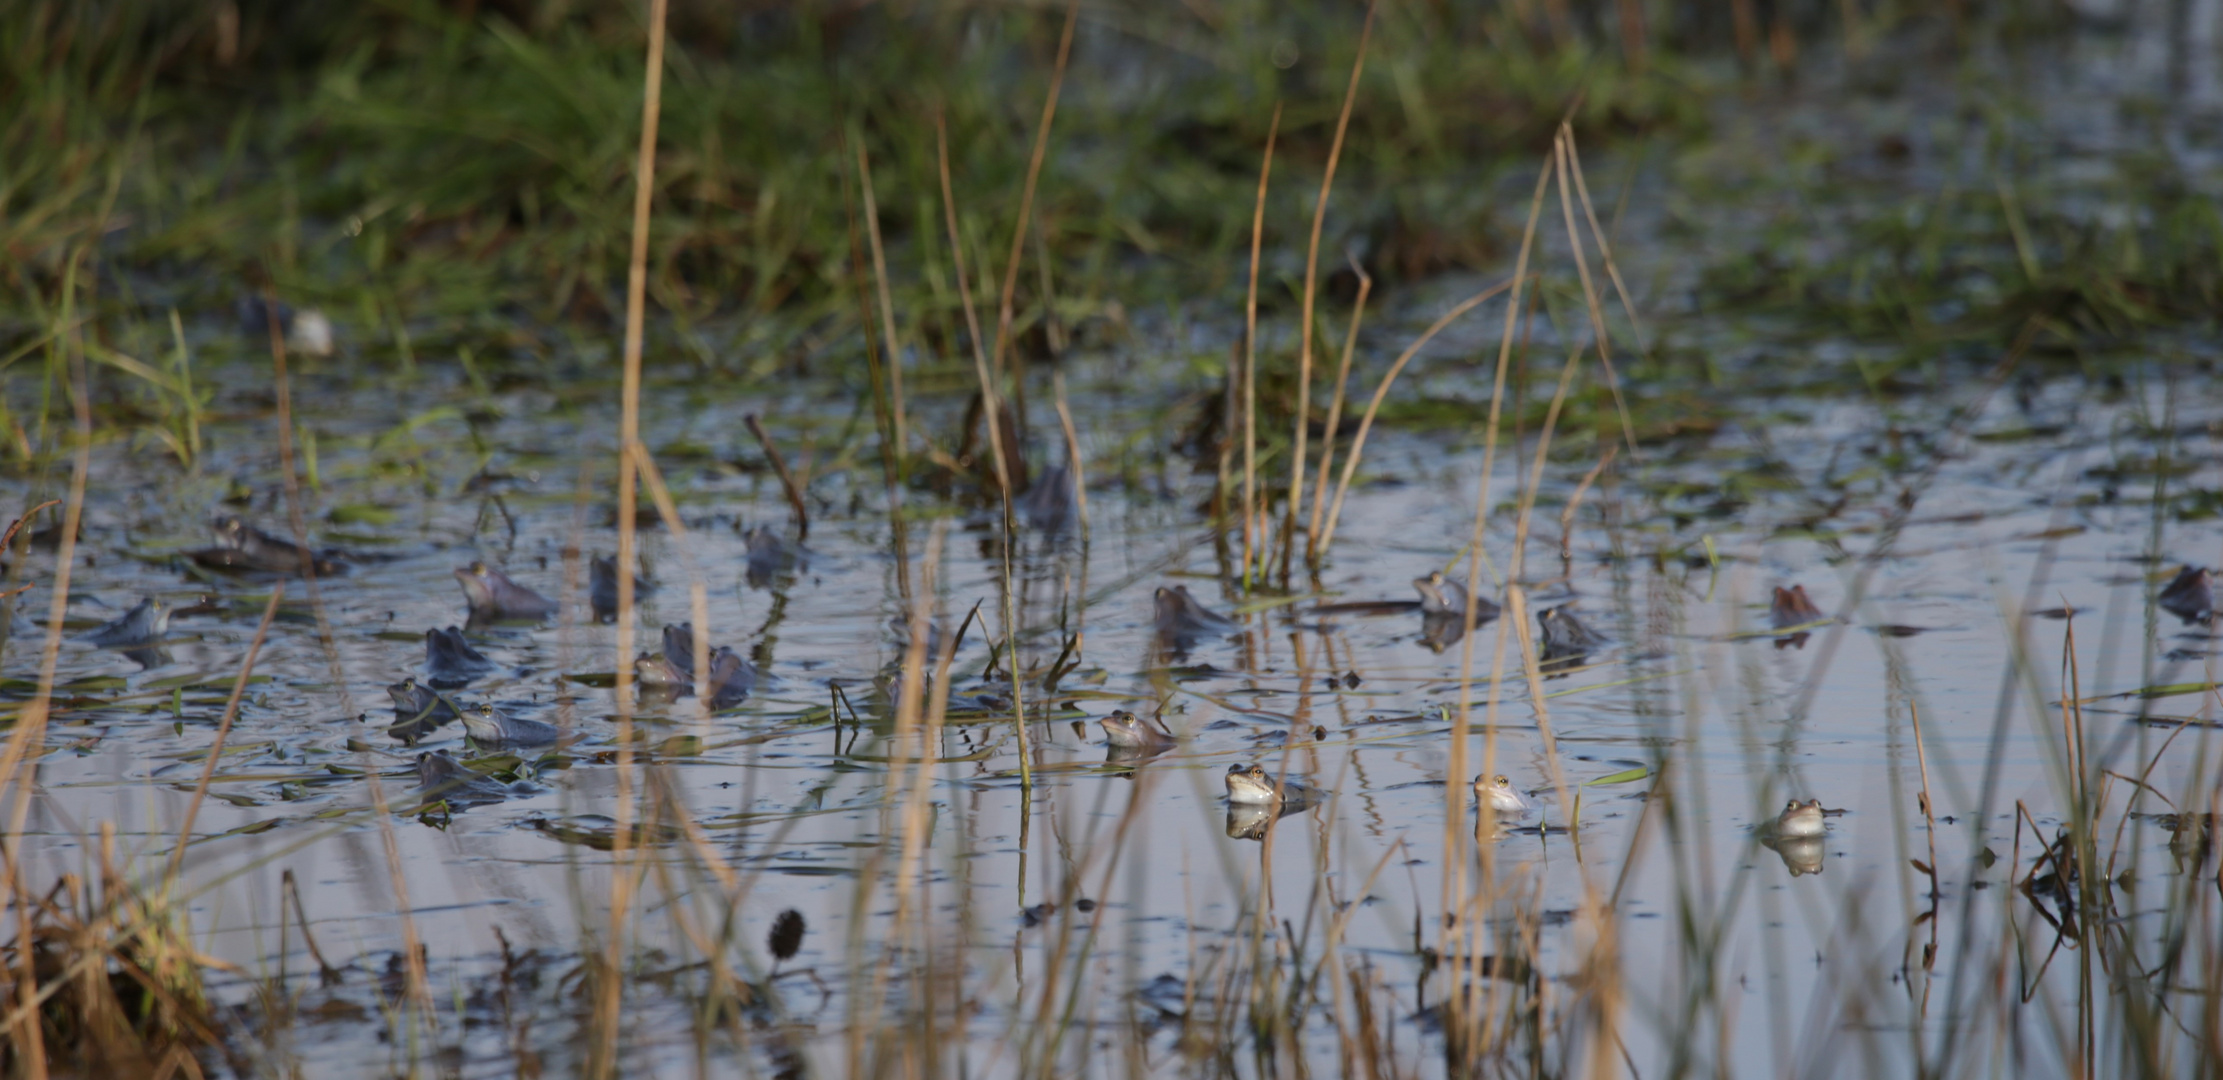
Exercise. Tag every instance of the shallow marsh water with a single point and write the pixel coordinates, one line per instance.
(2033, 509)
(1950, 541)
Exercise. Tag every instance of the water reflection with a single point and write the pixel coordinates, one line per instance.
(1800, 854)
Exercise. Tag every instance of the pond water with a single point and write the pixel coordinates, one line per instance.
(2041, 504)
(1950, 527)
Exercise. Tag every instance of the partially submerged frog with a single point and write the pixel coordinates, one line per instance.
(1182, 621)
(1443, 596)
(486, 724)
(450, 660)
(1126, 731)
(1499, 792)
(1252, 785)
(1799, 820)
(444, 779)
(1053, 504)
(143, 625)
(936, 630)
(414, 701)
(602, 587)
(494, 597)
(2190, 595)
(419, 710)
(1566, 642)
(771, 554)
(1443, 611)
(242, 548)
(731, 677)
(1792, 607)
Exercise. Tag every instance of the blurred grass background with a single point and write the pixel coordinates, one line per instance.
(444, 174)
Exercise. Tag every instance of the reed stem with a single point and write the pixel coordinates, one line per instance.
(1251, 539)
(609, 988)
(1295, 500)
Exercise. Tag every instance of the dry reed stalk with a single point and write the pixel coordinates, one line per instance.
(1295, 500)
(223, 731)
(1589, 291)
(1598, 962)
(888, 345)
(609, 988)
(1605, 247)
(698, 593)
(1366, 421)
(1026, 210)
(788, 486)
(1335, 419)
(1250, 353)
(31, 723)
(926, 728)
(989, 411)
(1455, 888)
(1520, 546)
(1072, 454)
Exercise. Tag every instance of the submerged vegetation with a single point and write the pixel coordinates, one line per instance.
(1016, 372)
